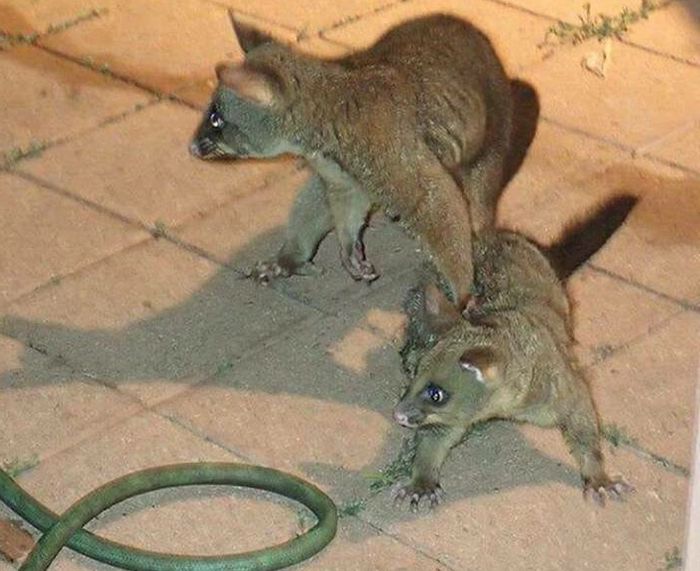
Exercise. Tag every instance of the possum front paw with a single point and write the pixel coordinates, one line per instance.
(266, 272)
(599, 489)
(417, 491)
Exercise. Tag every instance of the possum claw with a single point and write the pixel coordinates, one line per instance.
(615, 489)
(357, 265)
(266, 272)
(434, 493)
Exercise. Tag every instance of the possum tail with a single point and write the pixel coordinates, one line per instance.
(585, 237)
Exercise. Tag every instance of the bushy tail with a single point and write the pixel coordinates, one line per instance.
(585, 237)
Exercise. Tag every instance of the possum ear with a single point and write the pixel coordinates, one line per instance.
(483, 363)
(247, 36)
(440, 312)
(249, 84)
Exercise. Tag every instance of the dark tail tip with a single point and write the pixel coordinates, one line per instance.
(585, 237)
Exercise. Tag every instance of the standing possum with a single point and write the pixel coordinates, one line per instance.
(510, 358)
(417, 125)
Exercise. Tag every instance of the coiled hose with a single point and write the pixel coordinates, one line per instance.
(67, 528)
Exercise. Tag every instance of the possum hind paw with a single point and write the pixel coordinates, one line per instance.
(266, 272)
(415, 493)
(598, 491)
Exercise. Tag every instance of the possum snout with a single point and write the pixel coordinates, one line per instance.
(407, 415)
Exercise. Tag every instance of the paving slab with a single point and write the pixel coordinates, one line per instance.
(316, 401)
(47, 406)
(37, 16)
(664, 91)
(152, 320)
(514, 502)
(251, 229)
(648, 389)
(514, 33)
(46, 236)
(46, 98)
(571, 11)
(658, 245)
(684, 43)
(308, 18)
(199, 93)
(681, 148)
(136, 41)
(553, 185)
(140, 168)
(609, 313)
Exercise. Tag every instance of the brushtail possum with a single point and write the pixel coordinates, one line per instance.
(510, 358)
(417, 125)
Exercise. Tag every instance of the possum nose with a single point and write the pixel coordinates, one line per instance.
(403, 419)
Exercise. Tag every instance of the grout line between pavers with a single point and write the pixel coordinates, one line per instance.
(684, 304)
(120, 77)
(406, 543)
(649, 147)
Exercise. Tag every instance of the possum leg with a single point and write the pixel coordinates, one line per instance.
(309, 222)
(433, 447)
(580, 429)
(350, 208)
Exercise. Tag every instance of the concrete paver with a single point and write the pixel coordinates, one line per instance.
(147, 353)
(130, 39)
(648, 389)
(154, 181)
(515, 34)
(151, 321)
(47, 405)
(664, 90)
(30, 223)
(681, 148)
(46, 98)
(306, 17)
(659, 245)
(684, 43)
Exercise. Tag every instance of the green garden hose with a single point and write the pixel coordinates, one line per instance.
(67, 528)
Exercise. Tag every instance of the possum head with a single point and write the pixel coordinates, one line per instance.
(456, 374)
(246, 115)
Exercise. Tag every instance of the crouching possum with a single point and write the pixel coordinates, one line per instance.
(417, 125)
(510, 358)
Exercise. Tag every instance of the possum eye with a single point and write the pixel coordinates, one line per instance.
(216, 120)
(435, 394)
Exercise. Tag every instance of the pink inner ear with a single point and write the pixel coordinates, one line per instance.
(248, 84)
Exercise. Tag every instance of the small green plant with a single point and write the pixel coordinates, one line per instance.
(352, 507)
(18, 466)
(617, 435)
(599, 26)
(85, 16)
(13, 156)
(159, 230)
(396, 470)
(673, 559)
(224, 368)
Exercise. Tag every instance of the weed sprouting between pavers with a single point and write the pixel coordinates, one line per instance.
(599, 26)
(16, 154)
(10, 39)
(618, 437)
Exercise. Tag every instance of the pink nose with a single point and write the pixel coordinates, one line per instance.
(401, 418)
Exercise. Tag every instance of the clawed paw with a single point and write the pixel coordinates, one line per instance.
(357, 265)
(266, 272)
(415, 493)
(598, 491)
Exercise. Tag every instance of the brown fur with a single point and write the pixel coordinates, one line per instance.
(510, 359)
(418, 125)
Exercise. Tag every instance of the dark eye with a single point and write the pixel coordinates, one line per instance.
(216, 120)
(435, 394)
